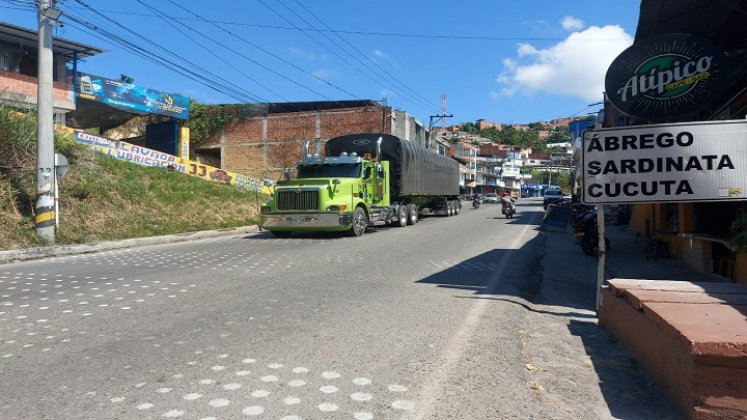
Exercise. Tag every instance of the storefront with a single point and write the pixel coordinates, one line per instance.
(684, 67)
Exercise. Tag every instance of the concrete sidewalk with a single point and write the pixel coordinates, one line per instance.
(568, 347)
(576, 363)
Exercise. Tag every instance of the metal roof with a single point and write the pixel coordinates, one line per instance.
(27, 38)
(710, 19)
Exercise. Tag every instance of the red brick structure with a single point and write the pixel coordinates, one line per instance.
(21, 89)
(261, 145)
(18, 68)
(691, 337)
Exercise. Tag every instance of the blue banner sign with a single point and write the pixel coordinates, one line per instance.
(129, 96)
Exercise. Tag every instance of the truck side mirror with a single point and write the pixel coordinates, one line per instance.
(380, 171)
(287, 173)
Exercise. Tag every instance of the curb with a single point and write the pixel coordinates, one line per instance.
(16, 255)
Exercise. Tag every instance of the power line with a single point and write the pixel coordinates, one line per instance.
(266, 51)
(209, 50)
(369, 33)
(237, 92)
(110, 37)
(241, 55)
(425, 101)
(322, 45)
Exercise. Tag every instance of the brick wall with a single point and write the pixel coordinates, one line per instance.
(21, 89)
(262, 146)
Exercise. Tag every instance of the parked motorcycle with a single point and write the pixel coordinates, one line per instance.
(587, 234)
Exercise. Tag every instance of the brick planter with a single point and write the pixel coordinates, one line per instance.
(691, 337)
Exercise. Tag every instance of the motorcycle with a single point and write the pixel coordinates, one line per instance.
(587, 234)
(507, 209)
(476, 203)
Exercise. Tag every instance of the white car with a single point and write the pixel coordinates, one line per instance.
(490, 198)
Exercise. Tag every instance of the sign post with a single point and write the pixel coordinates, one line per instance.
(683, 162)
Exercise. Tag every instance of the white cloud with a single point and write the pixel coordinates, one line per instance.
(382, 58)
(324, 74)
(306, 55)
(574, 67)
(571, 23)
(386, 93)
(526, 49)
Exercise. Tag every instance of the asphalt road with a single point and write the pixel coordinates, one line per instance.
(399, 323)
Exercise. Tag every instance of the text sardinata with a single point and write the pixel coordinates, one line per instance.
(674, 186)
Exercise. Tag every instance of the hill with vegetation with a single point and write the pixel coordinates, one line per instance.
(102, 198)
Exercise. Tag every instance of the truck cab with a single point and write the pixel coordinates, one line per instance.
(325, 195)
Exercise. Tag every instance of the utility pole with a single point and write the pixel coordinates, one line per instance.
(44, 219)
(430, 126)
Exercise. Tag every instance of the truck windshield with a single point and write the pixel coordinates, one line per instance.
(330, 171)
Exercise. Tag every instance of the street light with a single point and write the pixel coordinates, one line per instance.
(51, 13)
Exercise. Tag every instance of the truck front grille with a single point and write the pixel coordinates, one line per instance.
(298, 200)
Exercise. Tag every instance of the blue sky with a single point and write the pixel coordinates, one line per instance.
(503, 61)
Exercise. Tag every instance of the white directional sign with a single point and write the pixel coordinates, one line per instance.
(697, 161)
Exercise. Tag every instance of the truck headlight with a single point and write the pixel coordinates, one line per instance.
(338, 207)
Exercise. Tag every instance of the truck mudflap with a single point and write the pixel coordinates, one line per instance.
(307, 221)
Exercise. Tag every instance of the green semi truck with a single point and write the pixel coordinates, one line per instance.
(363, 180)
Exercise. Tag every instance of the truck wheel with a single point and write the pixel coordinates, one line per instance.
(457, 207)
(360, 222)
(280, 233)
(402, 216)
(412, 214)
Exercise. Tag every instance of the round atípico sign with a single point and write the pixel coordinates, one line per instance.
(667, 76)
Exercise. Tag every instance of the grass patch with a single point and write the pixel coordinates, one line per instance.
(102, 198)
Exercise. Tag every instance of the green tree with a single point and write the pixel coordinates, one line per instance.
(468, 127)
(553, 177)
(559, 134)
(491, 133)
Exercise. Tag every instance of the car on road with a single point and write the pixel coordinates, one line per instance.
(552, 196)
(490, 198)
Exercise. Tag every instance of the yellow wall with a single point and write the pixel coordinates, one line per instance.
(740, 267)
(694, 252)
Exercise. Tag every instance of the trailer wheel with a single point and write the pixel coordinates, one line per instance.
(449, 209)
(412, 214)
(402, 216)
(457, 207)
(360, 222)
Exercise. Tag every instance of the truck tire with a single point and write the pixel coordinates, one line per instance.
(360, 222)
(457, 207)
(281, 233)
(402, 216)
(412, 214)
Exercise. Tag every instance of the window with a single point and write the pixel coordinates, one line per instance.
(716, 218)
(329, 171)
